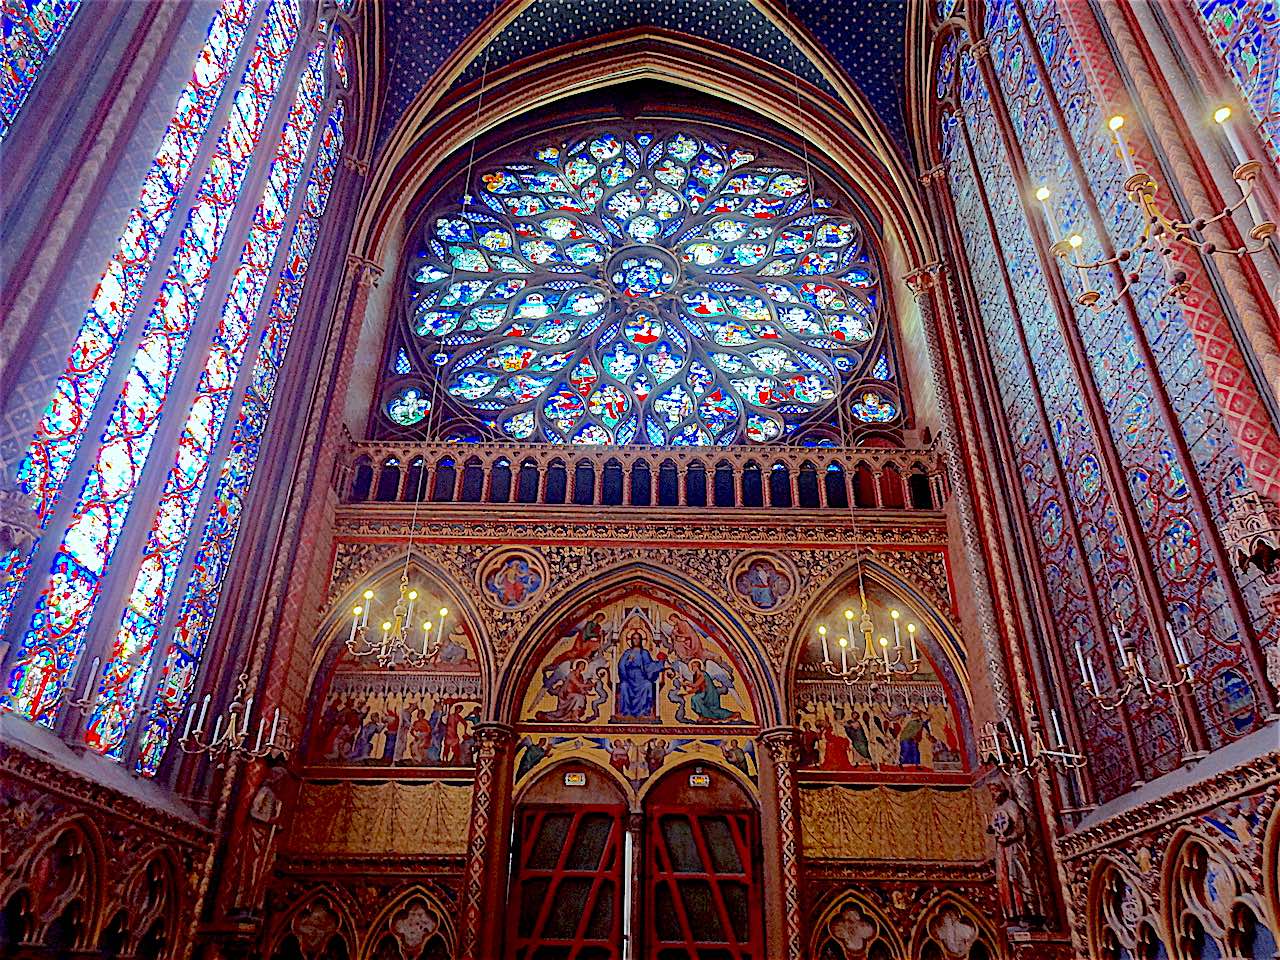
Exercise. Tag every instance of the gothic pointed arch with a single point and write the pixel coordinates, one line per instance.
(637, 673)
(416, 925)
(951, 927)
(852, 924)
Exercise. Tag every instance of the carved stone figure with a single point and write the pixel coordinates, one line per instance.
(259, 844)
(1021, 896)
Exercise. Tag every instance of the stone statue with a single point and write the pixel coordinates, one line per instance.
(1021, 894)
(259, 843)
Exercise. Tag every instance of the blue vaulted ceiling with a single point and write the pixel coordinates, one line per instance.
(864, 36)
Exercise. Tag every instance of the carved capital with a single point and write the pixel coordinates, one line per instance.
(364, 271)
(924, 278)
(933, 173)
(361, 167)
(781, 743)
(492, 738)
(980, 48)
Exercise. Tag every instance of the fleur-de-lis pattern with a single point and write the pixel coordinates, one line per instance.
(646, 288)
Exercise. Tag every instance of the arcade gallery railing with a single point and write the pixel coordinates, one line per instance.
(813, 478)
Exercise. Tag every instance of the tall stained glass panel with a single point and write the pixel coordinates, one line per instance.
(29, 33)
(67, 600)
(200, 599)
(145, 606)
(643, 287)
(48, 460)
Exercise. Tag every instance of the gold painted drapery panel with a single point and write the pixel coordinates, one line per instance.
(884, 823)
(393, 818)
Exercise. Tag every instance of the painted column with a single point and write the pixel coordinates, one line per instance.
(485, 882)
(780, 839)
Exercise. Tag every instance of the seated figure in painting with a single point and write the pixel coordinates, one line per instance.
(639, 674)
(571, 695)
(705, 690)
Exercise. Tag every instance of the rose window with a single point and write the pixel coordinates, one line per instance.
(645, 289)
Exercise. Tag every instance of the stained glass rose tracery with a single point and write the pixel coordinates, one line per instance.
(647, 288)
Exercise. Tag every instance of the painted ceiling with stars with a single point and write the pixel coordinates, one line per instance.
(865, 37)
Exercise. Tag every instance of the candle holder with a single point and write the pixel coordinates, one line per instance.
(876, 662)
(1160, 233)
(1007, 749)
(229, 737)
(1135, 683)
(393, 645)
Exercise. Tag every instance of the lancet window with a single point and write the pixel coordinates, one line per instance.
(125, 595)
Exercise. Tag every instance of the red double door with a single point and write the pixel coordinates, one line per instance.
(693, 861)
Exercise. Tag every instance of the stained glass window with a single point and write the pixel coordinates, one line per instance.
(200, 599)
(67, 600)
(644, 288)
(115, 298)
(145, 606)
(29, 33)
(1246, 34)
(340, 56)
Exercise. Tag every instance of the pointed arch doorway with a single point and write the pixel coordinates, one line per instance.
(593, 879)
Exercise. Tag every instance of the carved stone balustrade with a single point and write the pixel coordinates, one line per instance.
(809, 478)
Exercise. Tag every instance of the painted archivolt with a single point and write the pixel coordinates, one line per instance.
(637, 682)
(641, 286)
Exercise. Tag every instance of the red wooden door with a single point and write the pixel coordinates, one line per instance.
(701, 884)
(567, 888)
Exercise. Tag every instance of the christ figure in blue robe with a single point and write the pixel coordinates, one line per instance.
(638, 673)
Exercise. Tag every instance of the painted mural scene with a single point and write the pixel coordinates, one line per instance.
(598, 480)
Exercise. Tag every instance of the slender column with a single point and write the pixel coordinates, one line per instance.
(780, 837)
(484, 893)
(793, 481)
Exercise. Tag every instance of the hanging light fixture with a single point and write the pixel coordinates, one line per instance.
(396, 640)
(1159, 232)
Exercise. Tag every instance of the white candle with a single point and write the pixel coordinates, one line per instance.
(275, 722)
(1022, 747)
(262, 726)
(1179, 650)
(1115, 633)
(248, 709)
(217, 729)
(995, 740)
(355, 622)
(204, 710)
(1233, 138)
(1043, 194)
(826, 654)
(915, 656)
(885, 647)
(844, 660)
(1125, 157)
(1080, 658)
(897, 636)
(1237, 150)
(191, 715)
(1059, 739)
(1093, 679)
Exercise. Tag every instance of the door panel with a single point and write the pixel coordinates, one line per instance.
(701, 885)
(567, 891)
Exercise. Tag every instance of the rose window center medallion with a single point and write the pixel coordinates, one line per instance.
(642, 272)
(644, 288)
